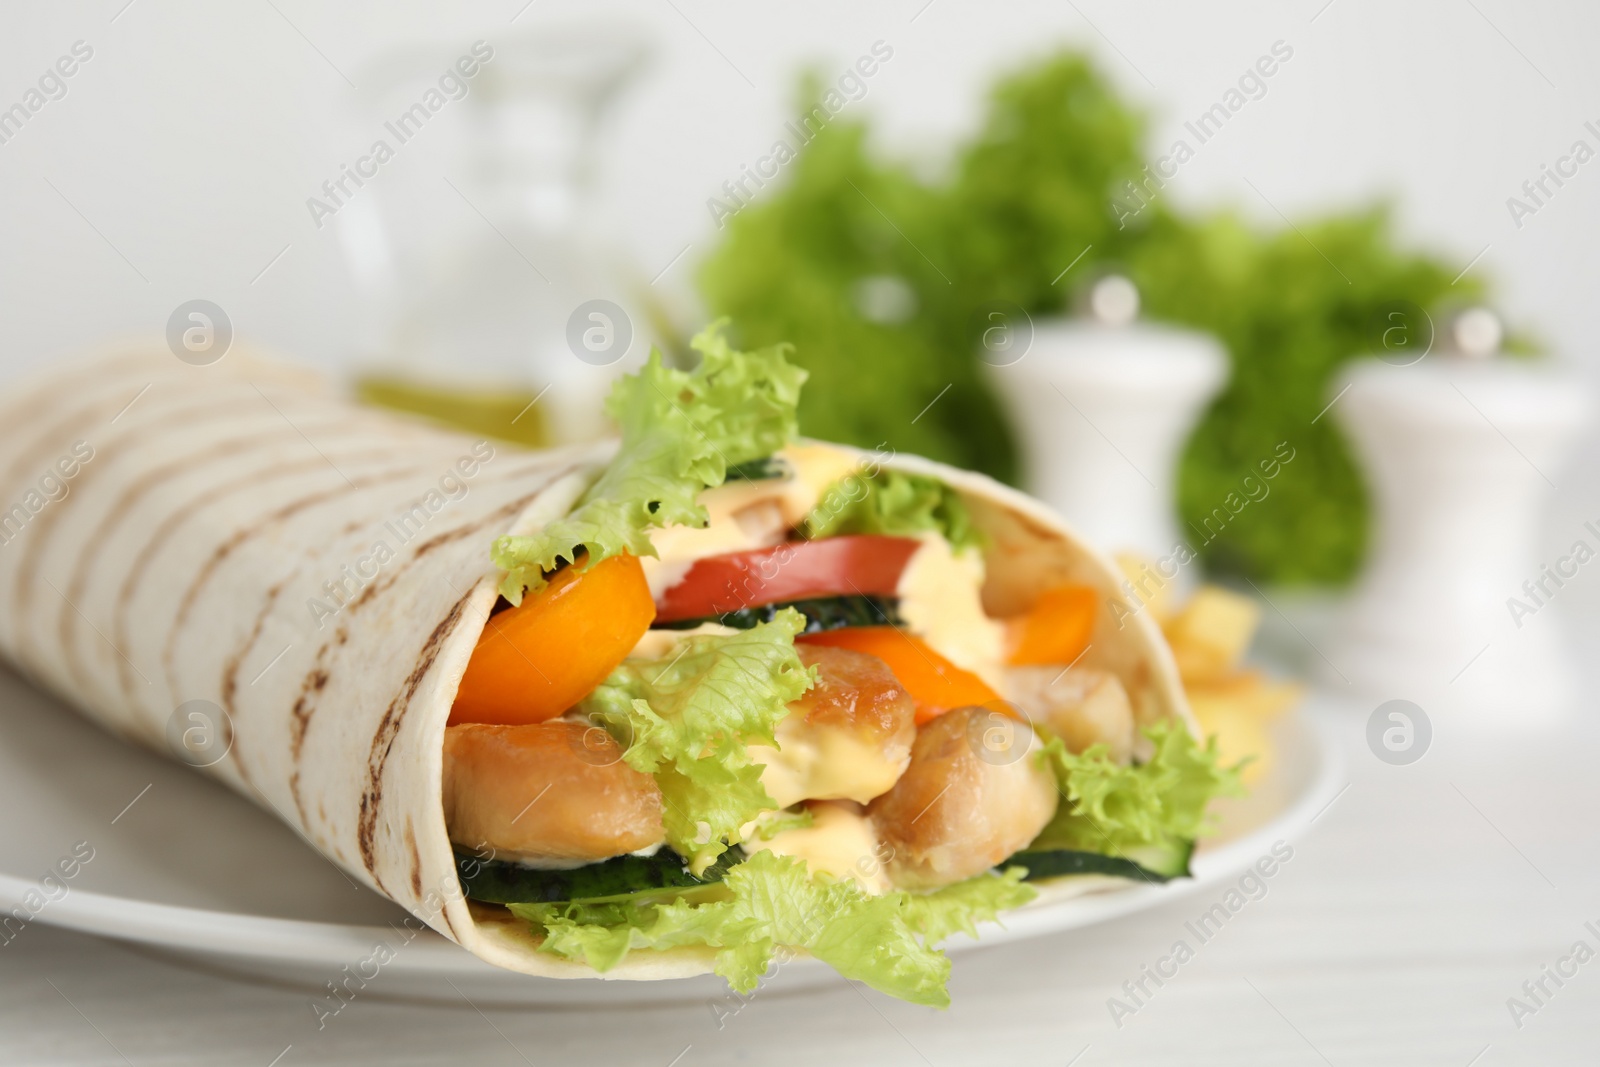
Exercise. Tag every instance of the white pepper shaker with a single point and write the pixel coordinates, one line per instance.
(1102, 406)
(1462, 451)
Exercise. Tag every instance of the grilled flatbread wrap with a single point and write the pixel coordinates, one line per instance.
(242, 537)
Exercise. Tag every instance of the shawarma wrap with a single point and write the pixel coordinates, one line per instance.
(638, 710)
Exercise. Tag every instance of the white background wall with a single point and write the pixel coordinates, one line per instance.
(183, 153)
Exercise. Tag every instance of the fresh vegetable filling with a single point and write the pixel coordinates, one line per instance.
(746, 698)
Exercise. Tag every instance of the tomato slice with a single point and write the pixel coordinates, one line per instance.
(859, 564)
(936, 684)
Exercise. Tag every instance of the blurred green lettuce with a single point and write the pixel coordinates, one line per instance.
(1017, 205)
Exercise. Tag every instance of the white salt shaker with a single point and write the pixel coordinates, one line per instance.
(1102, 406)
(1462, 451)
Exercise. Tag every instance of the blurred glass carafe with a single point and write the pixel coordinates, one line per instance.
(485, 269)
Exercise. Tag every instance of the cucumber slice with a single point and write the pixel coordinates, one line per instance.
(664, 874)
(1147, 863)
(758, 470)
(823, 613)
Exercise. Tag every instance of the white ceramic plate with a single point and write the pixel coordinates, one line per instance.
(189, 869)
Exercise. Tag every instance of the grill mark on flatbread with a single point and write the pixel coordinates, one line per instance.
(38, 448)
(388, 729)
(317, 677)
(139, 569)
(239, 537)
(25, 409)
(416, 859)
(300, 715)
(300, 809)
(136, 574)
(127, 438)
(147, 416)
(40, 452)
(46, 441)
(230, 677)
(442, 539)
(130, 586)
(131, 495)
(235, 661)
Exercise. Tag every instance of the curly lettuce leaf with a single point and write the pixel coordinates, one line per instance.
(601, 935)
(681, 430)
(1111, 807)
(895, 504)
(961, 907)
(777, 905)
(687, 720)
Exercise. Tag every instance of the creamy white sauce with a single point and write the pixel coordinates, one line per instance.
(825, 763)
(840, 842)
(940, 602)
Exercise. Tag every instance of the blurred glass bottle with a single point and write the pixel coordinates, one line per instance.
(503, 312)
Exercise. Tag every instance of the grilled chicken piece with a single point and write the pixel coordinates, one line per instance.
(841, 842)
(1082, 707)
(848, 738)
(554, 794)
(975, 793)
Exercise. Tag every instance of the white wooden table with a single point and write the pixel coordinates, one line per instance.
(1418, 903)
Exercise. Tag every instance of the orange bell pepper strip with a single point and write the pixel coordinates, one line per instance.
(538, 659)
(936, 684)
(1057, 629)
